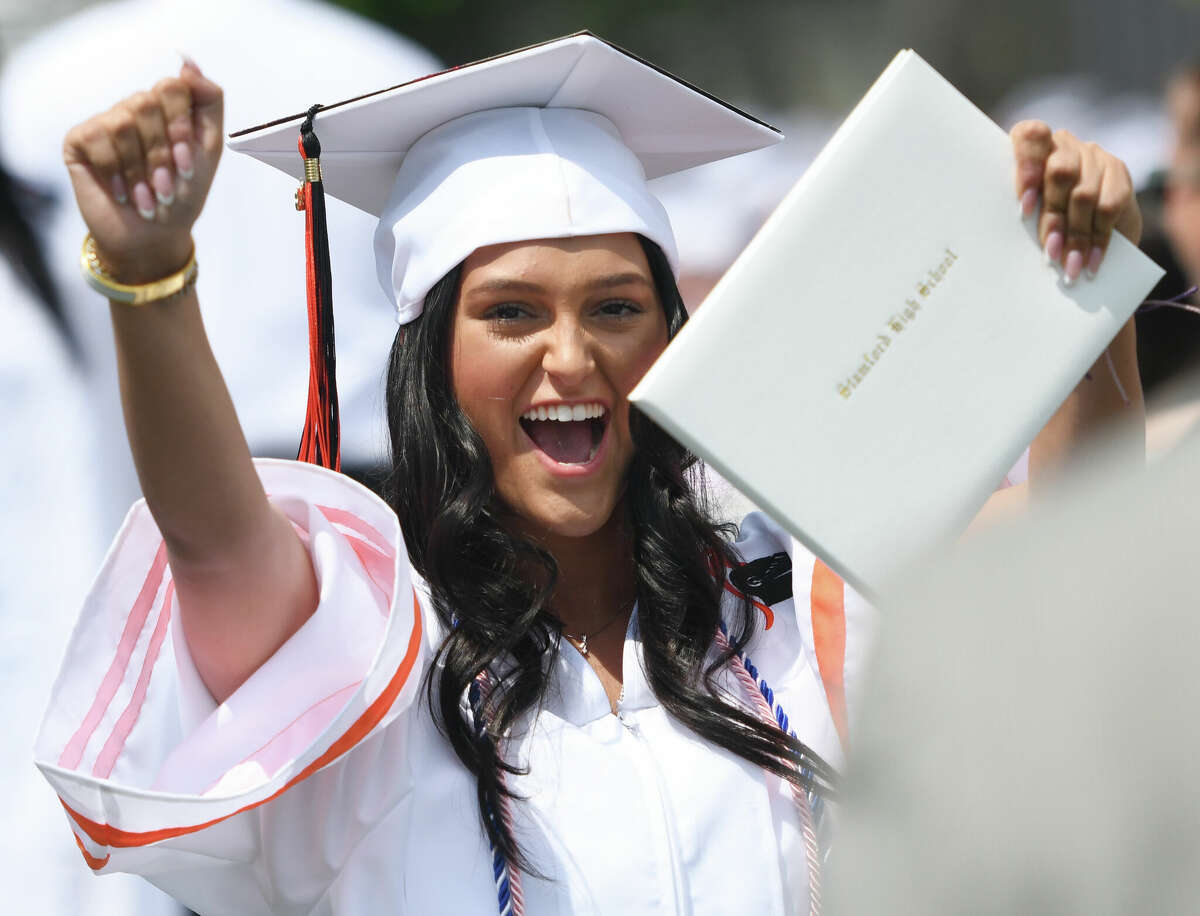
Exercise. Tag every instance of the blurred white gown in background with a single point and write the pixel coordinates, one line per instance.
(51, 550)
(269, 56)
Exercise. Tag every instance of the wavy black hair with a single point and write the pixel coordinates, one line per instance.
(492, 588)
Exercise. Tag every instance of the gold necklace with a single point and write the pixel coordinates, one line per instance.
(580, 642)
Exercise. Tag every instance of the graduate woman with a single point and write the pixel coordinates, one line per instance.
(510, 690)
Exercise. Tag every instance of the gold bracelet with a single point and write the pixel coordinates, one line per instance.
(141, 293)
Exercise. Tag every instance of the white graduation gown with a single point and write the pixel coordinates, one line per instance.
(322, 786)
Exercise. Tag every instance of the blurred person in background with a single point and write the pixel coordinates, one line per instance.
(272, 56)
(1054, 768)
(1169, 338)
(62, 421)
(51, 546)
(1181, 205)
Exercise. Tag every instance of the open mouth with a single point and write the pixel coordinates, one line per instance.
(566, 433)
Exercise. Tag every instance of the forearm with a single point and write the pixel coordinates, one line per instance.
(244, 579)
(1101, 411)
(191, 457)
(1094, 415)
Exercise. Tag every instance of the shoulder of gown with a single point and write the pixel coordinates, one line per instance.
(815, 633)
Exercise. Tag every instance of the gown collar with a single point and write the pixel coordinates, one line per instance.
(575, 693)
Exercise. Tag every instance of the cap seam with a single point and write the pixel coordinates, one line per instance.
(547, 146)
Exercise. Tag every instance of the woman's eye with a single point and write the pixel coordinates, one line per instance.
(507, 311)
(620, 308)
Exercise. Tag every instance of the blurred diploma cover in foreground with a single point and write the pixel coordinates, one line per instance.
(892, 339)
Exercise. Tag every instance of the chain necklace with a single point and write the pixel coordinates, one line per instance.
(580, 641)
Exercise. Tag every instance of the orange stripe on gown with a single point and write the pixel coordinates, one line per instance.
(106, 835)
(829, 636)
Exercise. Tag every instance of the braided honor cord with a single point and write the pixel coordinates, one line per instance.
(507, 876)
(809, 804)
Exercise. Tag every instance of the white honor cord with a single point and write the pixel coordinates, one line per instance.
(1112, 370)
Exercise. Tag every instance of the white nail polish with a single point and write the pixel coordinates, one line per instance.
(147, 215)
(1027, 205)
(184, 166)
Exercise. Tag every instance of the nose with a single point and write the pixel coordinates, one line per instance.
(568, 356)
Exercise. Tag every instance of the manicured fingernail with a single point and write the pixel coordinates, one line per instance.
(1028, 201)
(184, 165)
(1054, 247)
(164, 186)
(143, 199)
(1074, 267)
(120, 194)
(1093, 264)
(188, 62)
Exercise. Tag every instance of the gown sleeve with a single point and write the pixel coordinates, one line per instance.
(158, 779)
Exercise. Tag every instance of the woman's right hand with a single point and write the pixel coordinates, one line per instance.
(142, 170)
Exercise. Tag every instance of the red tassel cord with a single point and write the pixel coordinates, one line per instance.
(320, 442)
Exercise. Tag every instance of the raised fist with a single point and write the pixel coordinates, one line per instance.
(1085, 192)
(142, 170)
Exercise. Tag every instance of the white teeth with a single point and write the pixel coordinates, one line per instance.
(564, 412)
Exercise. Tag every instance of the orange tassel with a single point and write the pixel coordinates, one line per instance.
(320, 442)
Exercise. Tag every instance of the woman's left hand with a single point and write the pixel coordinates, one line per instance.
(1085, 192)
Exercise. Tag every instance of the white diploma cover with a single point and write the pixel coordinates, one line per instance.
(893, 338)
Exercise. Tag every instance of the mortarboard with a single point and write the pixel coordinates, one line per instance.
(550, 141)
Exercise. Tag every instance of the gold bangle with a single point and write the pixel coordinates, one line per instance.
(139, 294)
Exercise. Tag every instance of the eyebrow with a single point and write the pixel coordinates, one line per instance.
(619, 280)
(502, 285)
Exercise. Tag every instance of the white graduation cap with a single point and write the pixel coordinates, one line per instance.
(551, 141)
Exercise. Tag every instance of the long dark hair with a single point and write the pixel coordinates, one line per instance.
(441, 487)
